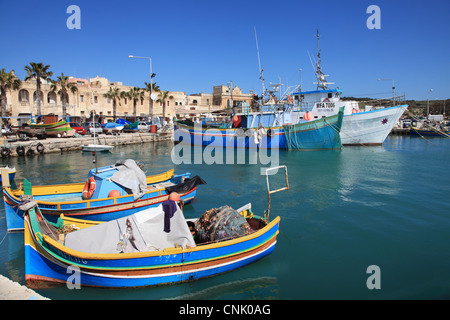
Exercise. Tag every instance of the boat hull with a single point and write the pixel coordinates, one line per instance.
(229, 138)
(48, 261)
(321, 134)
(428, 132)
(370, 127)
(56, 129)
(96, 147)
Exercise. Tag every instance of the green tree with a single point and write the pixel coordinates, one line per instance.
(38, 71)
(163, 97)
(8, 81)
(63, 92)
(135, 94)
(114, 95)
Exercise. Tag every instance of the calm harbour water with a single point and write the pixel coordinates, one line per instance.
(345, 211)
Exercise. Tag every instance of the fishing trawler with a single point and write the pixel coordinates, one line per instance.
(358, 127)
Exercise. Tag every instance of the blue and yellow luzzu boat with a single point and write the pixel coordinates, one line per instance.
(135, 251)
(110, 193)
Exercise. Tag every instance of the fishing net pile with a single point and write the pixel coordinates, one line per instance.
(220, 224)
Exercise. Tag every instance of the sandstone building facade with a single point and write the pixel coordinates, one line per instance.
(89, 102)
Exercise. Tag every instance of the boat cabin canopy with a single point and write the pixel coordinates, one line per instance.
(317, 96)
(126, 177)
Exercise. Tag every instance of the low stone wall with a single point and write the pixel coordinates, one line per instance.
(52, 145)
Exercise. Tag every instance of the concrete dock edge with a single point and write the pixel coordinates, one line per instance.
(10, 290)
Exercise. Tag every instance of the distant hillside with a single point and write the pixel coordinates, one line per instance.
(417, 107)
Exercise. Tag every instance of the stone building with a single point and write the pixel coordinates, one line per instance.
(89, 102)
(227, 98)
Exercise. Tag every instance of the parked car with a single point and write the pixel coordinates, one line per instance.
(143, 127)
(91, 127)
(77, 128)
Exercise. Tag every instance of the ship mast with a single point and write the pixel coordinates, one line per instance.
(320, 76)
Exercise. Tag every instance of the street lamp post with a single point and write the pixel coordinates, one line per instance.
(231, 91)
(150, 109)
(393, 90)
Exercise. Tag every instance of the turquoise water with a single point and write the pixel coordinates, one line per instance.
(345, 211)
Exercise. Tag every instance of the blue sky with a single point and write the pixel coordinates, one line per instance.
(197, 44)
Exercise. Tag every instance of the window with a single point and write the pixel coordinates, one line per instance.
(81, 98)
(37, 97)
(23, 96)
(51, 98)
(95, 99)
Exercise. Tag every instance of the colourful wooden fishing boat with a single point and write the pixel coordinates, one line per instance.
(138, 251)
(198, 135)
(48, 259)
(105, 196)
(320, 134)
(55, 129)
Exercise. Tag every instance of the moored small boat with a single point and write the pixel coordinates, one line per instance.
(152, 247)
(55, 129)
(109, 193)
(135, 251)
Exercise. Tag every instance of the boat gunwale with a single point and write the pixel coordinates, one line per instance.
(62, 189)
(146, 254)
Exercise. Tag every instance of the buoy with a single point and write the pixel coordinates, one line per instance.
(89, 188)
(355, 110)
(174, 196)
(308, 116)
(114, 194)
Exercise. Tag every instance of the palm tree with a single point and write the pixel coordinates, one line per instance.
(8, 80)
(113, 94)
(64, 90)
(163, 96)
(38, 71)
(151, 87)
(136, 94)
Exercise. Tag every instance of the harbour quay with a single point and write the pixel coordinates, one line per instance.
(11, 145)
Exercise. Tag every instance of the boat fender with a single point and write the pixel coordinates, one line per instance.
(20, 150)
(40, 148)
(5, 152)
(113, 193)
(308, 116)
(30, 152)
(248, 132)
(89, 188)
